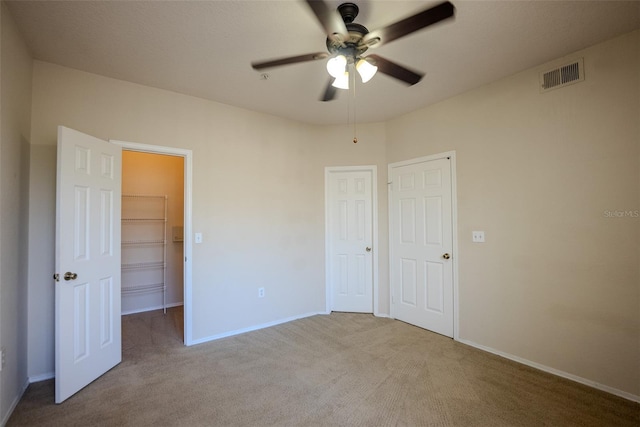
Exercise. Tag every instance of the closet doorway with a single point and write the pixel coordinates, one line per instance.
(154, 172)
(153, 237)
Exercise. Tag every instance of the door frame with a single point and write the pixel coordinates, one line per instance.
(374, 232)
(187, 243)
(454, 231)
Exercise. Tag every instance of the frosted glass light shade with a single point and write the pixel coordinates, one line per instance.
(342, 82)
(336, 66)
(366, 70)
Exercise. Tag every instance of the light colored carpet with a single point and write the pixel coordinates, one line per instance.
(337, 370)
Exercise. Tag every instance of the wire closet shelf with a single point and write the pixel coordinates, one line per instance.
(144, 245)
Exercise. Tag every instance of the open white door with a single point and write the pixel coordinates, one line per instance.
(421, 243)
(87, 312)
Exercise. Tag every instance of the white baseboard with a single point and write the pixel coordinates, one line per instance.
(384, 315)
(264, 325)
(142, 310)
(174, 304)
(41, 377)
(572, 377)
(253, 328)
(12, 407)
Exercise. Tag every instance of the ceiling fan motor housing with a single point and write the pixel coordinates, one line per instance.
(350, 48)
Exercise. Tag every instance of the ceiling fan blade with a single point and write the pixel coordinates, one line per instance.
(396, 70)
(330, 20)
(329, 92)
(409, 25)
(289, 60)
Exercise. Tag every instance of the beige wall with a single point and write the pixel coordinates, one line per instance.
(258, 193)
(15, 88)
(157, 175)
(557, 282)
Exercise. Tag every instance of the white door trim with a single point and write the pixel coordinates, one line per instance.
(374, 232)
(454, 227)
(188, 185)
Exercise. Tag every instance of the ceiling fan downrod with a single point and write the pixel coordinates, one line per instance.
(348, 11)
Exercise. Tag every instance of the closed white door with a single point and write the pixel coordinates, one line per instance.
(350, 239)
(87, 301)
(421, 240)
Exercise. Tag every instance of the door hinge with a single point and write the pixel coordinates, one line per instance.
(56, 277)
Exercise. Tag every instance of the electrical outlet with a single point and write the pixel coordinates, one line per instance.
(477, 236)
(2, 355)
(260, 292)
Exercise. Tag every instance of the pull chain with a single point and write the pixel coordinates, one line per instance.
(349, 100)
(355, 133)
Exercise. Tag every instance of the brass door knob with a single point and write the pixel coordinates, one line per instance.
(70, 276)
(446, 256)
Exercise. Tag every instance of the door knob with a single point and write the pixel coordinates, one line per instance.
(70, 276)
(368, 249)
(446, 256)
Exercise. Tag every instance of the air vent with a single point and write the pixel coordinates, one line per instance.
(564, 75)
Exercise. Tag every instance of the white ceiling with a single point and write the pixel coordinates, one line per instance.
(204, 48)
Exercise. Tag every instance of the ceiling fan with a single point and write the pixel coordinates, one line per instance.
(347, 41)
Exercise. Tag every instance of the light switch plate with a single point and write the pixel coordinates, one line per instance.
(477, 236)
(198, 238)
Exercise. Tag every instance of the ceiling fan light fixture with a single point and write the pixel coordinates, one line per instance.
(366, 70)
(342, 82)
(336, 66)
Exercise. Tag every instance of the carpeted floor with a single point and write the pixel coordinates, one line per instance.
(338, 370)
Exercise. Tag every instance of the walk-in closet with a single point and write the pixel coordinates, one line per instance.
(152, 232)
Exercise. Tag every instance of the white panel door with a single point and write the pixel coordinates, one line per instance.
(349, 210)
(87, 303)
(421, 244)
